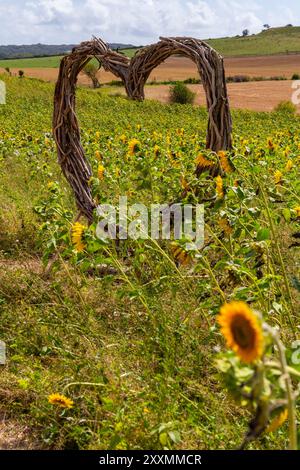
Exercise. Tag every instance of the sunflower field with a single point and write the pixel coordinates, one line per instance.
(145, 344)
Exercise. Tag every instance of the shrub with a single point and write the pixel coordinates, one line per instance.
(238, 79)
(278, 78)
(192, 81)
(286, 107)
(296, 76)
(180, 93)
(116, 83)
(21, 73)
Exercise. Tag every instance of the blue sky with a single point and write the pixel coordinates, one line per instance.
(137, 21)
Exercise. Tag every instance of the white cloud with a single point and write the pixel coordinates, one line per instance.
(135, 21)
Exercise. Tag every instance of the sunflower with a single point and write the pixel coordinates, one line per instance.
(271, 145)
(278, 421)
(219, 187)
(101, 171)
(77, 232)
(60, 400)
(134, 146)
(297, 210)
(180, 255)
(98, 156)
(226, 164)
(225, 226)
(203, 163)
(289, 165)
(278, 177)
(242, 330)
(156, 150)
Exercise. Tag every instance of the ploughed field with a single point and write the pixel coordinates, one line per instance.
(258, 96)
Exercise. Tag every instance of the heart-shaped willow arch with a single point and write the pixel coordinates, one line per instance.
(134, 74)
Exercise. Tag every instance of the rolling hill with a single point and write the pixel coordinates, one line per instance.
(283, 40)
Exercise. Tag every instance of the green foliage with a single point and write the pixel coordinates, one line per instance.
(286, 107)
(181, 94)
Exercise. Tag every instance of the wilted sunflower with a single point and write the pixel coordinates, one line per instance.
(60, 400)
(134, 146)
(242, 330)
(203, 164)
(156, 150)
(180, 255)
(77, 232)
(226, 164)
(98, 155)
(271, 145)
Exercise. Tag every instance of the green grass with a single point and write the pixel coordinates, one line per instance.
(34, 62)
(273, 41)
(135, 350)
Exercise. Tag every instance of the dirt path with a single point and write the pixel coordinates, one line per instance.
(14, 436)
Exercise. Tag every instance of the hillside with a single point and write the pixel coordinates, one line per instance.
(283, 40)
(40, 50)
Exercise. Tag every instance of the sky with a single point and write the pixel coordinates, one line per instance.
(137, 22)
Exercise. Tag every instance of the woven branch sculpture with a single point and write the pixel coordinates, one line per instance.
(134, 74)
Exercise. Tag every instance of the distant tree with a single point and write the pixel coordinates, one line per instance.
(21, 73)
(289, 25)
(245, 33)
(90, 70)
(7, 69)
(266, 26)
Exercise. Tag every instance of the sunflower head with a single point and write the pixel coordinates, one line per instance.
(242, 330)
(101, 171)
(60, 400)
(278, 177)
(77, 235)
(219, 187)
(134, 146)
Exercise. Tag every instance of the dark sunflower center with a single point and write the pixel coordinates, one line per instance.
(243, 332)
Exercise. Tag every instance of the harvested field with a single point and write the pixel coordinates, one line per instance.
(180, 68)
(258, 96)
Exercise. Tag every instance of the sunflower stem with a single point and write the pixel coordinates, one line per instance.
(293, 445)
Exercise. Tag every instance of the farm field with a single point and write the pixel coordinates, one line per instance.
(128, 333)
(257, 96)
(179, 68)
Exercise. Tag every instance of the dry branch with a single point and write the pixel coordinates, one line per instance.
(134, 75)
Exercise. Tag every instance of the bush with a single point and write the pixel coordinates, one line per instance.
(192, 81)
(238, 79)
(286, 107)
(296, 76)
(180, 93)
